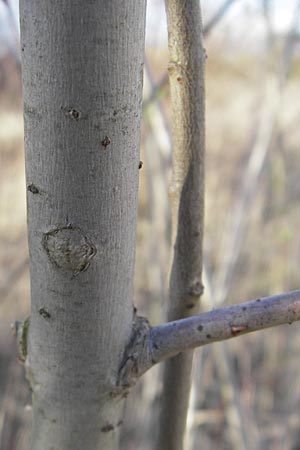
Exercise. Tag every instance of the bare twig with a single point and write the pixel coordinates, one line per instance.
(151, 345)
(224, 323)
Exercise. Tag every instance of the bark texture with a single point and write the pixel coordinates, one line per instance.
(186, 73)
(82, 82)
(223, 323)
(151, 345)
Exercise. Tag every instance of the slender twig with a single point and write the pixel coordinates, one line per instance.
(223, 323)
(151, 345)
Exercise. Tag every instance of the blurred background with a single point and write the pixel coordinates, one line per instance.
(246, 392)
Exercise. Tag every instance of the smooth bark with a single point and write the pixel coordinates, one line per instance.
(82, 82)
(156, 344)
(186, 72)
(224, 323)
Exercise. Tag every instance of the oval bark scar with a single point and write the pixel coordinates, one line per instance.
(69, 248)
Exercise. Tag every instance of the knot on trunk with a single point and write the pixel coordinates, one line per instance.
(69, 249)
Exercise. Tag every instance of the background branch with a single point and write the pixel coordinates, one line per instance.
(186, 72)
(207, 28)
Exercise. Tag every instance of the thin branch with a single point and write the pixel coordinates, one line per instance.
(222, 324)
(151, 345)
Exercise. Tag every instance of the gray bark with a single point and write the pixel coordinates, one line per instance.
(186, 72)
(82, 83)
(223, 323)
(152, 345)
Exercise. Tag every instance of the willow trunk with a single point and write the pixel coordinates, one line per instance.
(82, 84)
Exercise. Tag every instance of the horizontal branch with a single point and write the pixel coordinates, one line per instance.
(151, 345)
(223, 323)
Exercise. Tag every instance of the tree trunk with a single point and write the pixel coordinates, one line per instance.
(82, 83)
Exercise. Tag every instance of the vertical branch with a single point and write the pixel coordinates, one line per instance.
(186, 73)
